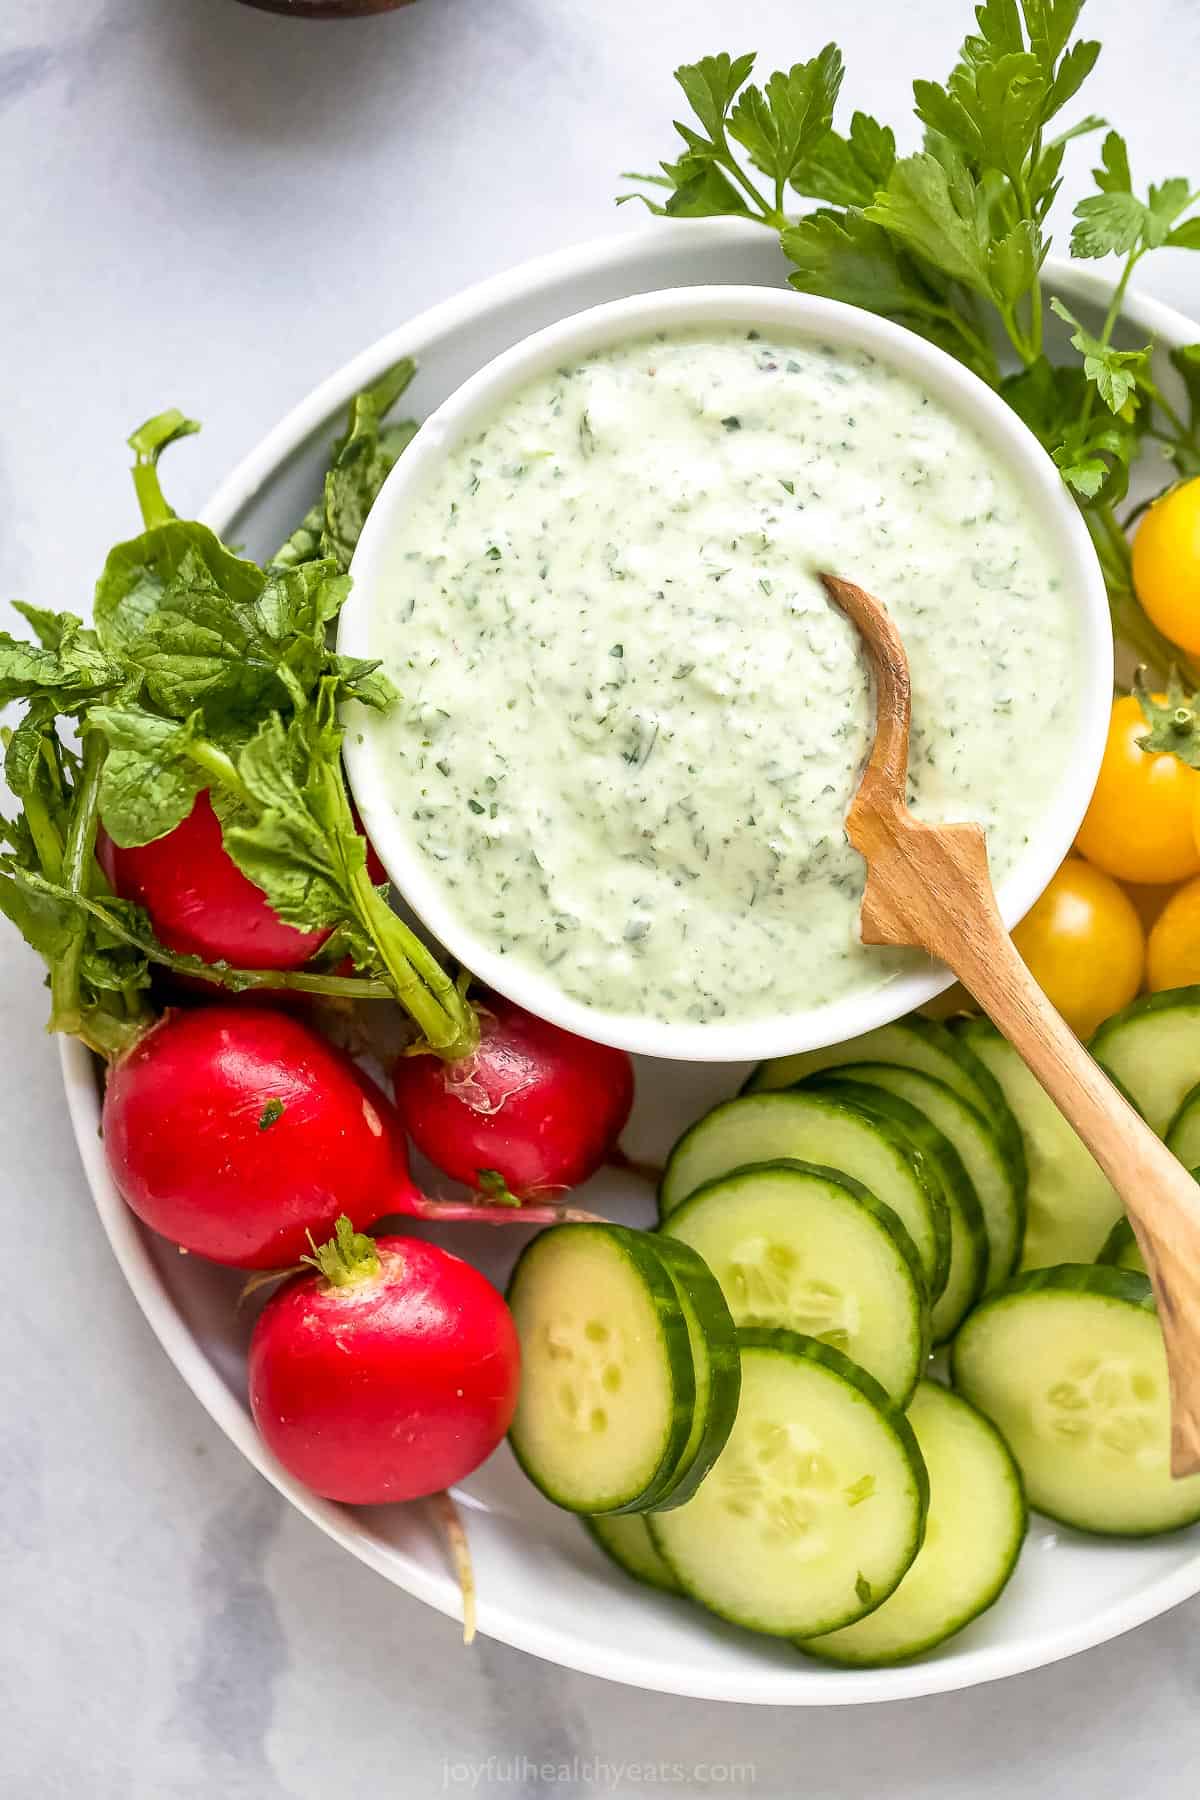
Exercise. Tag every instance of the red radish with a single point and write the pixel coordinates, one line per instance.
(533, 1109)
(199, 901)
(388, 1373)
(236, 1131)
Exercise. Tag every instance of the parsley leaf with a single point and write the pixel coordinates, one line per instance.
(938, 214)
(1114, 372)
(782, 123)
(710, 86)
(1115, 222)
(848, 171)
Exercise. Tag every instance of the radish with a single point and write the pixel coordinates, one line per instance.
(531, 1110)
(387, 1373)
(237, 1131)
(199, 902)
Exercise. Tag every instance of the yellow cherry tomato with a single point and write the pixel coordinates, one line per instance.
(1149, 901)
(1166, 565)
(1084, 945)
(1173, 950)
(1140, 825)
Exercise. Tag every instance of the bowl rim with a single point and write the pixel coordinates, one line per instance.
(805, 316)
(316, 412)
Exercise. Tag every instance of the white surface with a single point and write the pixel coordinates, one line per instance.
(169, 1627)
(961, 394)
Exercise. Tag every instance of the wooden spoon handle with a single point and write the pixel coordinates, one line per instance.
(956, 920)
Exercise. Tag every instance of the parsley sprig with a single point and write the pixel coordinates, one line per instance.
(950, 240)
(205, 671)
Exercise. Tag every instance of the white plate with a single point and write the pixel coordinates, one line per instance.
(543, 1585)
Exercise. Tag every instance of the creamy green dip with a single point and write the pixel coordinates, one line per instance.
(631, 722)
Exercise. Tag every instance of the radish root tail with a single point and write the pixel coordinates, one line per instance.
(455, 1533)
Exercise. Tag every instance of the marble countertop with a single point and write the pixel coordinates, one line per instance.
(212, 207)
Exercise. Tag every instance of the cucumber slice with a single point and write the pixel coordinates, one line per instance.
(914, 1043)
(809, 1249)
(1183, 1133)
(966, 1239)
(625, 1538)
(1071, 1204)
(997, 1186)
(810, 1128)
(715, 1363)
(1152, 1051)
(1069, 1364)
(608, 1390)
(973, 1537)
(816, 1506)
(1121, 1248)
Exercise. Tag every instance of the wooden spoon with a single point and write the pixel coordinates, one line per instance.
(928, 886)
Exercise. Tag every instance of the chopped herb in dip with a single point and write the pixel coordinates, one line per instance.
(631, 722)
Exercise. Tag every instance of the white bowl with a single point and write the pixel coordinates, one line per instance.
(543, 1585)
(470, 408)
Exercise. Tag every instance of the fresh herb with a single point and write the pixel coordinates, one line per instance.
(206, 672)
(271, 1112)
(950, 241)
(360, 462)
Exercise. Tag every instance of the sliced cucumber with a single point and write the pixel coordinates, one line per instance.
(1152, 1051)
(809, 1249)
(625, 1537)
(1071, 1204)
(1121, 1248)
(966, 1239)
(816, 1506)
(1069, 1364)
(608, 1391)
(914, 1043)
(973, 1537)
(1183, 1133)
(997, 1185)
(715, 1362)
(810, 1128)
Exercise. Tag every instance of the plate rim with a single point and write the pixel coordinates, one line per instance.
(769, 1686)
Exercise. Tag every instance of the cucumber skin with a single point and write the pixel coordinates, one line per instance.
(1016, 1181)
(1087, 1278)
(878, 1104)
(696, 1283)
(860, 1098)
(1083, 1278)
(1190, 1100)
(886, 1129)
(808, 1349)
(1004, 1121)
(812, 1646)
(661, 1585)
(1142, 1007)
(676, 1348)
(878, 1209)
(996, 1107)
